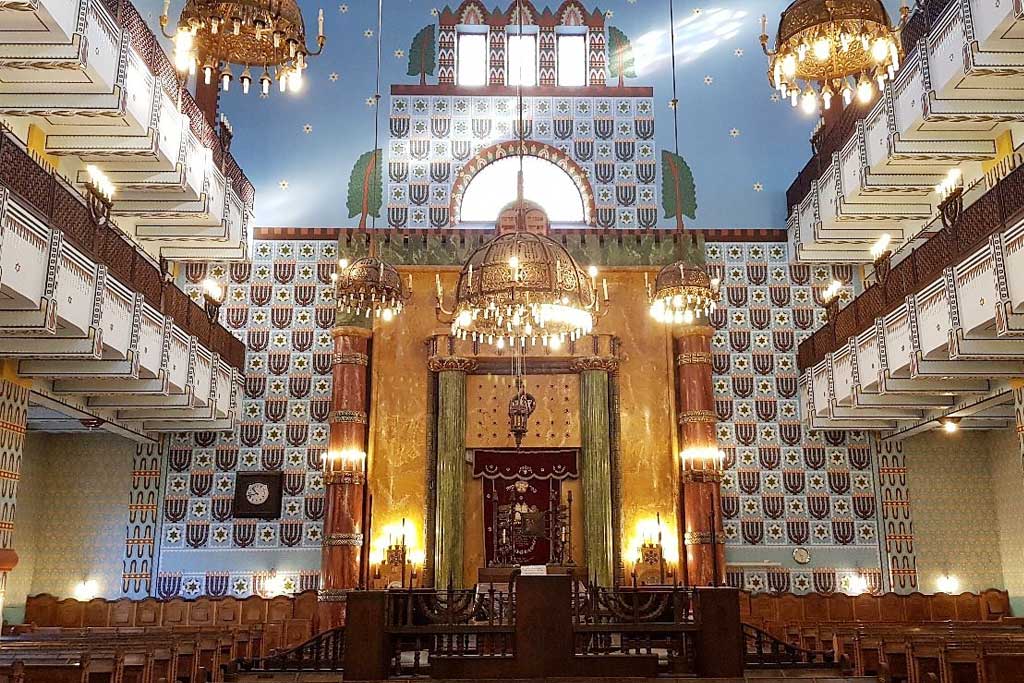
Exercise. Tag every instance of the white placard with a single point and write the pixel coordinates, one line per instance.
(533, 570)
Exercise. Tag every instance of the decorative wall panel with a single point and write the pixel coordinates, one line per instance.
(143, 521)
(605, 143)
(554, 423)
(13, 416)
(897, 523)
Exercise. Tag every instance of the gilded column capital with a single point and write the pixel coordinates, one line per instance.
(351, 359)
(606, 363)
(703, 538)
(451, 363)
(356, 416)
(697, 417)
(351, 331)
(343, 539)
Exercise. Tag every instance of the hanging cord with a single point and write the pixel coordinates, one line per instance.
(378, 156)
(522, 121)
(674, 104)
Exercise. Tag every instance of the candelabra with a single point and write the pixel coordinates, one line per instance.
(881, 257)
(830, 298)
(213, 298)
(100, 194)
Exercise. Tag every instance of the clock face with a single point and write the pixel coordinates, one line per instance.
(801, 555)
(257, 493)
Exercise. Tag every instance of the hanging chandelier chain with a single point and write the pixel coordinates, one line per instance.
(378, 156)
(674, 104)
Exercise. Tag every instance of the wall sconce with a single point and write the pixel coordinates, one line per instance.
(213, 297)
(276, 584)
(881, 256)
(948, 584)
(100, 193)
(951, 200)
(950, 425)
(86, 590)
(702, 459)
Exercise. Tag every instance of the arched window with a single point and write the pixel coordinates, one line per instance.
(543, 182)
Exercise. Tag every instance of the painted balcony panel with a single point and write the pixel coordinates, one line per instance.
(842, 377)
(51, 21)
(30, 251)
(898, 346)
(869, 365)
(932, 310)
(995, 24)
(976, 293)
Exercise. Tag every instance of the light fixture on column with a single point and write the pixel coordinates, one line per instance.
(881, 257)
(683, 294)
(950, 425)
(832, 48)
(370, 287)
(100, 194)
(830, 299)
(951, 199)
(247, 33)
(213, 298)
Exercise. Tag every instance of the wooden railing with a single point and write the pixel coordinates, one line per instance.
(834, 135)
(763, 650)
(997, 210)
(323, 652)
(56, 203)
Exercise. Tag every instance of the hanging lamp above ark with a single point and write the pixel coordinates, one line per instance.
(214, 35)
(683, 294)
(833, 48)
(370, 287)
(523, 288)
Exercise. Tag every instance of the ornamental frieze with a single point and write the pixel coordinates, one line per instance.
(451, 364)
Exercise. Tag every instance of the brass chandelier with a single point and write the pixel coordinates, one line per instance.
(213, 35)
(522, 289)
(683, 294)
(829, 48)
(370, 287)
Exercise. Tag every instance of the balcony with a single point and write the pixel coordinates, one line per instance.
(939, 337)
(96, 81)
(92, 320)
(957, 92)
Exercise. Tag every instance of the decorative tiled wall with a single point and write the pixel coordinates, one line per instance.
(610, 138)
(13, 416)
(143, 521)
(784, 487)
(281, 305)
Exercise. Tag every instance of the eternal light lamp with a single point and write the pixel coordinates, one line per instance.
(829, 48)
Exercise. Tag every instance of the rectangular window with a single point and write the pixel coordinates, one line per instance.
(472, 59)
(522, 59)
(572, 60)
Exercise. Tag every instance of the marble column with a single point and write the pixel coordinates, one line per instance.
(596, 465)
(449, 524)
(344, 469)
(13, 418)
(700, 473)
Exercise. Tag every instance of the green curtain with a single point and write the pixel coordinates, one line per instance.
(596, 475)
(451, 455)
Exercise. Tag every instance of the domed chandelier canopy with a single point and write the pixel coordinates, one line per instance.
(683, 294)
(267, 35)
(829, 48)
(369, 287)
(523, 288)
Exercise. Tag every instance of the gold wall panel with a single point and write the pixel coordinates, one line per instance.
(554, 424)
(398, 440)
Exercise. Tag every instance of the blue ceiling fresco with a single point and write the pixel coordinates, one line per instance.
(743, 145)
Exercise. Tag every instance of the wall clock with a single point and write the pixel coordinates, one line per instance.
(258, 495)
(801, 555)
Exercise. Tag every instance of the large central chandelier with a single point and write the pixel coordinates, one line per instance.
(213, 35)
(829, 48)
(683, 294)
(522, 289)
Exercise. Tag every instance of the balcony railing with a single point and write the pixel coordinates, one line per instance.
(153, 55)
(833, 136)
(997, 210)
(58, 205)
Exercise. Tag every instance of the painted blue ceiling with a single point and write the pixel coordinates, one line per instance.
(743, 146)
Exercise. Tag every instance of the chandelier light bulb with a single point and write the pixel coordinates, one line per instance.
(386, 315)
(864, 90)
(246, 80)
(295, 80)
(277, 39)
(822, 48)
(826, 96)
(236, 26)
(789, 66)
(808, 101)
(880, 49)
(214, 25)
(844, 41)
(282, 80)
(207, 74)
(847, 92)
(225, 77)
(265, 83)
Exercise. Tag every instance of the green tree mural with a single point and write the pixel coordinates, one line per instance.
(422, 54)
(620, 53)
(678, 193)
(365, 187)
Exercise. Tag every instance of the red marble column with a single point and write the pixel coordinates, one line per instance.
(344, 473)
(700, 464)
